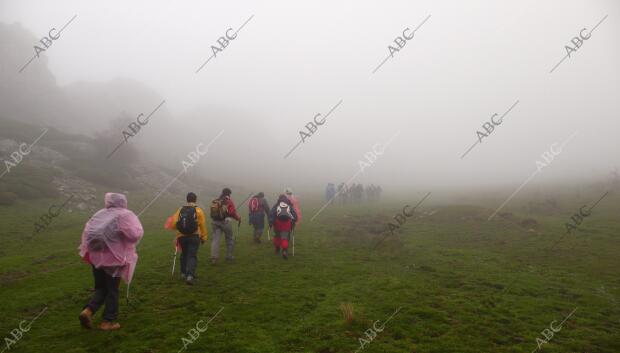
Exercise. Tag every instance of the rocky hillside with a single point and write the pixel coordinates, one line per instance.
(61, 164)
(75, 128)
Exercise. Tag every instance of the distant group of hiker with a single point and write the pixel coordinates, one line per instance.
(354, 193)
(111, 235)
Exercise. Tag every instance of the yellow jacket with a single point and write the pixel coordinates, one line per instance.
(200, 217)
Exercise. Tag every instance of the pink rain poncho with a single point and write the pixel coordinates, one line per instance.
(110, 237)
(295, 203)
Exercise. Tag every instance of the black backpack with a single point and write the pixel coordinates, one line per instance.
(188, 220)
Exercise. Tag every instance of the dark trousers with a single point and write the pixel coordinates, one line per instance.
(106, 291)
(189, 253)
(258, 221)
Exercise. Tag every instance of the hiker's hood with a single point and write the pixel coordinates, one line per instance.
(113, 199)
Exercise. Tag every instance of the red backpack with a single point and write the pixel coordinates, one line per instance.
(254, 205)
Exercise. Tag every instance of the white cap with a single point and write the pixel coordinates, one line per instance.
(288, 191)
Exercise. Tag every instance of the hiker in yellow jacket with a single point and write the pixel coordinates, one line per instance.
(190, 223)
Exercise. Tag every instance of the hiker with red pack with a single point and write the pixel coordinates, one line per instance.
(258, 208)
(282, 219)
(190, 224)
(222, 210)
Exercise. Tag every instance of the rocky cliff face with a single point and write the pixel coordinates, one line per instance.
(61, 165)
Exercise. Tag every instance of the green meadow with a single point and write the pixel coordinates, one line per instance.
(450, 280)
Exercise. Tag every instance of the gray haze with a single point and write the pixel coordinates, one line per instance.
(295, 59)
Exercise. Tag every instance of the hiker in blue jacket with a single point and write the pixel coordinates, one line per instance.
(258, 208)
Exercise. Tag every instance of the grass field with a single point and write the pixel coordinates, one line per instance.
(452, 281)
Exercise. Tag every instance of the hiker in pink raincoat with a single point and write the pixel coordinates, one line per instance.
(109, 245)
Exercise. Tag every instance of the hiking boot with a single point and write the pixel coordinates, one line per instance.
(189, 280)
(285, 255)
(183, 276)
(86, 318)
(277, 250)
(109, 326)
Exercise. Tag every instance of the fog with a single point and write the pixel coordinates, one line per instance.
(293, 60)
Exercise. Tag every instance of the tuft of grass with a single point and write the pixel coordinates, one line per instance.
(348, 312)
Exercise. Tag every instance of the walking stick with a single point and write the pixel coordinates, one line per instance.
(293, 234)
(238, 228)
(268, 233)
(174, 260)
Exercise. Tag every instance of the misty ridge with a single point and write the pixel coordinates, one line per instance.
(436, 95)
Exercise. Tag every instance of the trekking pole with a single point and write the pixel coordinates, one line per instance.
(268, 233)
(293, 234)
(174, 259)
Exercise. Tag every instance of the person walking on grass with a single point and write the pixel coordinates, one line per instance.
(282, 219)
(295, 202)
(190, 223)
(222, 210)
(342, 193)
(258, 208)
(108, 245)
(330, 192)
